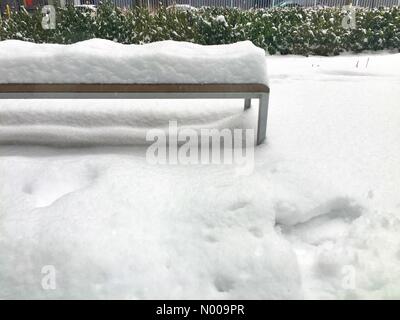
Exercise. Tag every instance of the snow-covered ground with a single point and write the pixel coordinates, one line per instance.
(318, 218)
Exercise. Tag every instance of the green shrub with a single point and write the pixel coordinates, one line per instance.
(280, 30)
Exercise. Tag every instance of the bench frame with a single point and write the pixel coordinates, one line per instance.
(146, 91)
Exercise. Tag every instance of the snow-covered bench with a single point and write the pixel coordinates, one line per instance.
(100, 69)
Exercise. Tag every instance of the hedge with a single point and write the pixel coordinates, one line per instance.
(285, 30)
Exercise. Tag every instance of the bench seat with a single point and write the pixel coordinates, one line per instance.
(103, 69)
(145, 91)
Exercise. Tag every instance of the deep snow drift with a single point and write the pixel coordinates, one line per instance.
(104, 61)
(318, 218)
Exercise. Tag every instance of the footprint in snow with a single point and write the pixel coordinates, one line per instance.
(328, 221)
(53, 183)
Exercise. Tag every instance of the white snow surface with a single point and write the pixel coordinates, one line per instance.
(319, 217)
(104, 61)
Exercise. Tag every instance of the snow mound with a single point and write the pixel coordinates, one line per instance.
(109, 227)
(105, 122)
(103, 61)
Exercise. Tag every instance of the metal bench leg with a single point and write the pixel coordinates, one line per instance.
(262, 118)
(247, 103)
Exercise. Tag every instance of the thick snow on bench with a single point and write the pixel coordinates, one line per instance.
(103, 61)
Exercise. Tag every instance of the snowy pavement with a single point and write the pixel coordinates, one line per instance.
(318, 218)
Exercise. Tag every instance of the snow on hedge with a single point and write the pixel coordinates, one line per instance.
(302, 31)
(104, 61)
